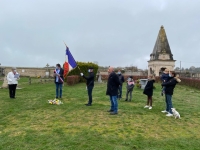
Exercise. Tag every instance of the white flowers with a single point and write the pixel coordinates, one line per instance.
(55, 102)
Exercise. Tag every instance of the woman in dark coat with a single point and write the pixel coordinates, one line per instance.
(148, 90)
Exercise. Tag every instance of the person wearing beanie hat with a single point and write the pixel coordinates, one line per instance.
(90, 84)
(12, 78)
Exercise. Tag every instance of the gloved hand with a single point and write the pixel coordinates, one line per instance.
(81, 74)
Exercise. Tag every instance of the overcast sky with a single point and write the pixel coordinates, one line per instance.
(111, 32)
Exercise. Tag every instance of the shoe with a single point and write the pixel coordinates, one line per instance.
(169, 115)
(146, 106)
(110, 110)
(113, 113)
(164, 111)
(88, 104)
(150, 107)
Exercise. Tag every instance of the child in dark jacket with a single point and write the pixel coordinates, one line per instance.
(164, 78)
(148, 90)
(129, 87)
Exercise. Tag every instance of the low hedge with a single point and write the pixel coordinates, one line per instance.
(190, 82)
(83, 67)
(135, 78)
(74, 79)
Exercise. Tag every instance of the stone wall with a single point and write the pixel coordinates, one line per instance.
(32, 72)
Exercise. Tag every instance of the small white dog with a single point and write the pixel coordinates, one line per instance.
(176, 113)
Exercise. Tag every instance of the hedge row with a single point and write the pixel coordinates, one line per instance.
(105, 77)
(74, 79)
(190, 82)
(83, 67)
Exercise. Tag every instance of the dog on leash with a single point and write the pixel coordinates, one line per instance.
(176, 113)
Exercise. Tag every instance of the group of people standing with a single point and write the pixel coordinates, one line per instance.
(114, 87)
(169, 80)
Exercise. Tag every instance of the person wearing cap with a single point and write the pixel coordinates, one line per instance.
(58, 74)
(12, 78)
(90, 84)
(112, 90)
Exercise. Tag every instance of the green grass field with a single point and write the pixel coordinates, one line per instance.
(29, 122)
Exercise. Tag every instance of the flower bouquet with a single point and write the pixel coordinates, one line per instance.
(55, 102)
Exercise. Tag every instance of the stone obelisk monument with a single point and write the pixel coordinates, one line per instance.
(161, 57)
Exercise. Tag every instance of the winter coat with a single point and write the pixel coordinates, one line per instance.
(121, 78)
(148, 90)
(170, 85)
(165, 77)
(113, 84)
(61, 76)
(11, 78)
(130, 86)
(90, 79)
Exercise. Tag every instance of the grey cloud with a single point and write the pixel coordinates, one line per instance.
(117, 33)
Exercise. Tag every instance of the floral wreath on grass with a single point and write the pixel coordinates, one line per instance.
(55, 102)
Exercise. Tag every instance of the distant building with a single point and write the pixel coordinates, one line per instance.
(161, 57)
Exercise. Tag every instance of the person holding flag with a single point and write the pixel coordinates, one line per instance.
(90, 84)
(58, 74)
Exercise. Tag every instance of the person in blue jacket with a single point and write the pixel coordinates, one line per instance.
(58, 74)
(164, 78)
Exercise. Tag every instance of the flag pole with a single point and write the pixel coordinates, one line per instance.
(65, 54)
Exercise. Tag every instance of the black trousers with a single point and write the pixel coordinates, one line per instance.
(90, 88)
(12, 89)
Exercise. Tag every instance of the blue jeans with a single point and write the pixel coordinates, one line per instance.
(59, 87)
(89, 88)
(120, 91)
(168, 99)
(114, 103)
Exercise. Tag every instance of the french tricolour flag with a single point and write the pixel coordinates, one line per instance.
(70, 63)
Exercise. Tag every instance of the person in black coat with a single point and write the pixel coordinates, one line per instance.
(169, 90)
(121, 79)
(90, 84)
(112, 90)
(58, 74)
(148, 90)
